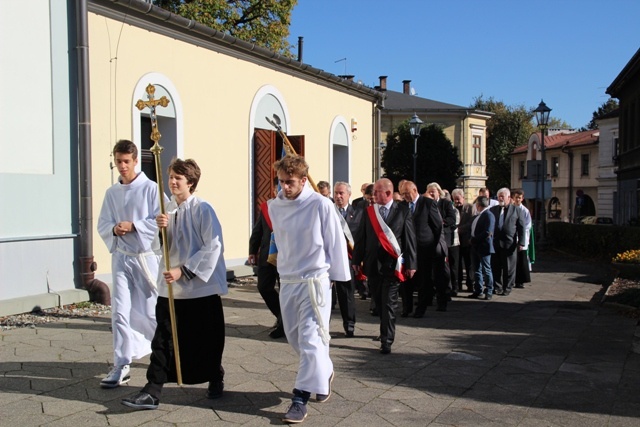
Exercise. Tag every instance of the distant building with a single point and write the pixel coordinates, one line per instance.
(465, 127)
(571, 169)
(626, 89)
(608, 165)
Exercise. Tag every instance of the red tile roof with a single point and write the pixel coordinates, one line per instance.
(560, 140)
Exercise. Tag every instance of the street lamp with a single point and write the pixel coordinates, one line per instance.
(414, 126)
(542, 117)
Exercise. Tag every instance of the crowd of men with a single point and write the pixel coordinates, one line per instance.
(308, 248)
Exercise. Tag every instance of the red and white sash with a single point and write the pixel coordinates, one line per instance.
(387, 240)
(347, 233)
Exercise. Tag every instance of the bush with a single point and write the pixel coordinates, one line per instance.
(602, 242)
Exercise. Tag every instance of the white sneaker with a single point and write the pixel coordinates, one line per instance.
(117, 376)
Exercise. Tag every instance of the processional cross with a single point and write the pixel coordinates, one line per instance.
(156, 149)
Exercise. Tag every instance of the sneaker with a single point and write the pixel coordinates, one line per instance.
(324, 397)
(142, 400)
(296, 414)
(215, 389)
(117, 376)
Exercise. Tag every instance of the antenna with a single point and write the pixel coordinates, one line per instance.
(345, 64)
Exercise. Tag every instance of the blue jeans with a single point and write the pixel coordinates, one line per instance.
(482, 275)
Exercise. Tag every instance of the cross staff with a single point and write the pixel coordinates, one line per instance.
(156, 149)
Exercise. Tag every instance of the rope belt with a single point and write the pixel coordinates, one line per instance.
(141, 258)
(316, 295)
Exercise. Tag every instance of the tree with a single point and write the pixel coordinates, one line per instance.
(606, 107)
(438, 159)
(263, 22)
(510, 127)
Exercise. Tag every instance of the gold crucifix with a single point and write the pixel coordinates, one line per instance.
(155, 136)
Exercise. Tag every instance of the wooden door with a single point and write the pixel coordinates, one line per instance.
(267, 148)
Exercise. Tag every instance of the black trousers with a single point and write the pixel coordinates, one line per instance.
(267, 278)
(465, 262)
(503, 267)
(386, 300)
(454, 262)
(423, 279)
(347, 301)
(201, 338)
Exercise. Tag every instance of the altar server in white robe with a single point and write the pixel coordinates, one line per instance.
(311, 253)
(199, 277)
(128, 227)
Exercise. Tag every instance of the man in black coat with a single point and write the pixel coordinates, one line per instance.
(267, 272)
(384, 239)
(508, 239)
(350, 218)
(427, 223)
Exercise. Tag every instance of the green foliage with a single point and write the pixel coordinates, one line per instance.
(263, 22)
(510, 127)
(606, 107)
(438, 159)
(600, 242)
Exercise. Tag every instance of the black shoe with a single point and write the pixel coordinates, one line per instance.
(385, 349)
(519, 286)
(324, 397)
(405, 314)
(505, 293)
(378, 338)
(454, 293)
(375, 313)
(487, 297)
(473, 296)
(215, 389)
(418, 314)
(142, 400)
(278, 332)
(348, 334)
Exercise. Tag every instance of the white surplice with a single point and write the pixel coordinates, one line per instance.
(134, 265)
(198, 246)
(311, 253)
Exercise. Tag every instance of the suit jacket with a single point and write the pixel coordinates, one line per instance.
(482, 241)
(369, 251)
(512, 232)
(464, 228)
(260, 239)
(448, 213)
(427, 223)
(353, 218)
(356, 202)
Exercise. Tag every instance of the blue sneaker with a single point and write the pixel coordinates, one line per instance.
(296, 414)
(324, 397)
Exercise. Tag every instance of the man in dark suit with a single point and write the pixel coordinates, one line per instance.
(267, 272)
(427, 223)
(464, 234)
(385, 239)
(508, 239)
(349, 219)
(481, 233)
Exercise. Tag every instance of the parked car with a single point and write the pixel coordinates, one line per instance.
(600, 220)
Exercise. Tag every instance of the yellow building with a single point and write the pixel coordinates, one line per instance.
(465, 127)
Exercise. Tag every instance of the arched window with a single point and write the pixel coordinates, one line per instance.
(340, 139)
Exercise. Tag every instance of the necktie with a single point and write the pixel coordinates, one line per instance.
(383, 212)
(342, 212)
(412, 206)
(501, 220)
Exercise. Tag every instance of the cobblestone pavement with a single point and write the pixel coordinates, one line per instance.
(546, 355)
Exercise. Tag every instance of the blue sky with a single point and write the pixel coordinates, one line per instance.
(566, 52)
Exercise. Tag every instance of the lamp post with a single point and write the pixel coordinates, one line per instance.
(542, 117)
(414, 126)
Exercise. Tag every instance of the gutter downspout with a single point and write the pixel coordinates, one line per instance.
(98, 290)
(565, 149)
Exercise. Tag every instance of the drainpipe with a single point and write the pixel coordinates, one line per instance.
(98, 291)
(565, 149)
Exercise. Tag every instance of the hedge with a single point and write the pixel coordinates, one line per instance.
(602, 242)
